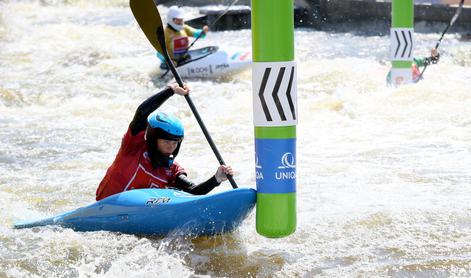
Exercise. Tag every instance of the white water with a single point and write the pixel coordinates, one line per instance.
(383, 174)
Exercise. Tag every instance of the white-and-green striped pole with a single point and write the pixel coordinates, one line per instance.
(402, 41)
(275, 116)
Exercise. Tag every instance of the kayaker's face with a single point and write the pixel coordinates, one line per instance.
(166, 147)
(178, 21)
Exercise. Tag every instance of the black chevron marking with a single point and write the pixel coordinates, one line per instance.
(398, 43)
(288, 93)
(411, 44)
(405, 41)
(260, 94)
(275, 94)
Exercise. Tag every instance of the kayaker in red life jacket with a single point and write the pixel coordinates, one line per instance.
(418, 63)
(177, 33)
(148, 149)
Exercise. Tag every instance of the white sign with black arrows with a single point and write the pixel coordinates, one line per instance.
(402, 44)
(274, 93)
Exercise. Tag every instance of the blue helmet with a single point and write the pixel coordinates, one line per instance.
(171, 127)
(162, 126)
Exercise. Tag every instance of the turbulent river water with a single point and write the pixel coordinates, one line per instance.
(383, 174)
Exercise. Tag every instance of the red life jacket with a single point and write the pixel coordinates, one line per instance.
(180, 45)
(132, 169)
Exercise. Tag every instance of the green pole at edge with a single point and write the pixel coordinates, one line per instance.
(275, 116)
(402, 41)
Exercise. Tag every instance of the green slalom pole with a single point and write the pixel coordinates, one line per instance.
(275, 116)
(402, 41)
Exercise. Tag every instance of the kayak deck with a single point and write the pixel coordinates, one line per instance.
(158, 212)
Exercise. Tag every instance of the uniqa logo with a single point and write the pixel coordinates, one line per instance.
(287, 161)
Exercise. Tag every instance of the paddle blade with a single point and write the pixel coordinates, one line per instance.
(148, 17)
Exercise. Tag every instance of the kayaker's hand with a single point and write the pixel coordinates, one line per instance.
(205, 29)
(221, 173)
(179, 90)
(435, 59)
(435, 56)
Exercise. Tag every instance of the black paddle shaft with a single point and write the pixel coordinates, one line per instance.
(452, 21)
(161, 39)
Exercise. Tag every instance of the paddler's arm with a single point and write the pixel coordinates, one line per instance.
(420, 62)
(433, 59)
(139, 122)
(186, 185)
(201, 32)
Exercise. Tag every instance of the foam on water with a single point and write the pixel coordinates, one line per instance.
(383, 173)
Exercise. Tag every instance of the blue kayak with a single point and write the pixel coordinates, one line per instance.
(158, 212)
